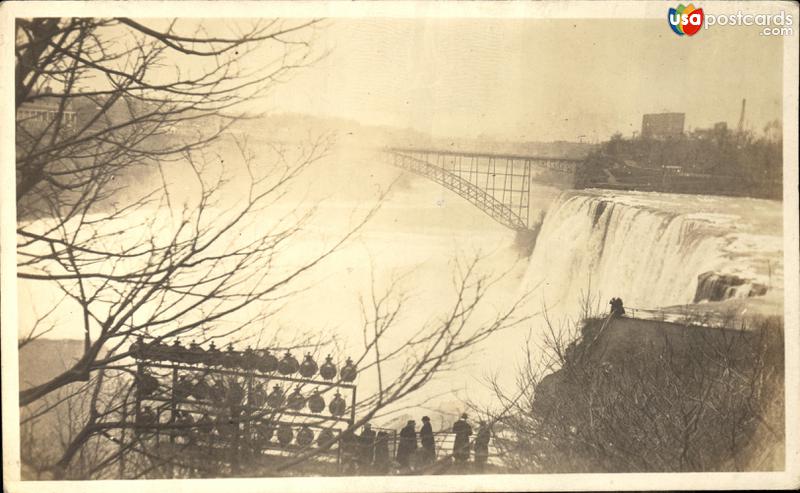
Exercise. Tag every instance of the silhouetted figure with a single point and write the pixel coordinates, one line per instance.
(616, 307)
(426, 438)
(349, 447)
(407, 445)
(382, 460)
(482, 446)
(461, 446)
(366, 447)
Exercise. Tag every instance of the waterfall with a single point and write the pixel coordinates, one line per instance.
(649, 254)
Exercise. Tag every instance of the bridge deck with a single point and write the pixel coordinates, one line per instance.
(483, 154)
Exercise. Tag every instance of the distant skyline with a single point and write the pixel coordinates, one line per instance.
(533, 79)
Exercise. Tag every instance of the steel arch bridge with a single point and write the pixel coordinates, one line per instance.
(497, 184)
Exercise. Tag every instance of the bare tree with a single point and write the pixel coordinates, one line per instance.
(100, 104)
(683, 398)
(116, 90)
(98, 432)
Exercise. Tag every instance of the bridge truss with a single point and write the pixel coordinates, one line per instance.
(499, 185)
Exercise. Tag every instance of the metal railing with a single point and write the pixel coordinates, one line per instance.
(684, 317)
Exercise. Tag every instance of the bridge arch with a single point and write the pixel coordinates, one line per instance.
(499, 185)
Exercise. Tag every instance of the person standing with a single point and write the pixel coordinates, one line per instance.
(426, 437)
(482, 446)
(408, 444)
(463, 430)
(366, 447)
(349, 448)
(617, 308)
(382, 453)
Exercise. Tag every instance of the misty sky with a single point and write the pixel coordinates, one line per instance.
(535, 79)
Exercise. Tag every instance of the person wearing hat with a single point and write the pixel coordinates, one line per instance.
(407, 445)
(463, 430)
(426, 437)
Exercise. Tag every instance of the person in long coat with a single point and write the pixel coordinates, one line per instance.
(382, 459)
(426, 438)
(366, 447)
(482, 446)
(349, 447)
(461, 445)
(408, 443)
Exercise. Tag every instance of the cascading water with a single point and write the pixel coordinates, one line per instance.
(651, 250)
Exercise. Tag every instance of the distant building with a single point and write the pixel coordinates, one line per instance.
(662, 125)
(718, 131)
(43, 110)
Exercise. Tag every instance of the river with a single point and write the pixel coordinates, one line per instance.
(650, 249)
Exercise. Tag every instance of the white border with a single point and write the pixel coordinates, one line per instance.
(578, 9)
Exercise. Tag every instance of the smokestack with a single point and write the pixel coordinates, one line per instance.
(741, 117)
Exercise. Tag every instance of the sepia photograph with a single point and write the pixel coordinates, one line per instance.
(439, 246)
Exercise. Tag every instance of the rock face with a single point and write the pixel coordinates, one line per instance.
(712, 286)
(644, 396)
